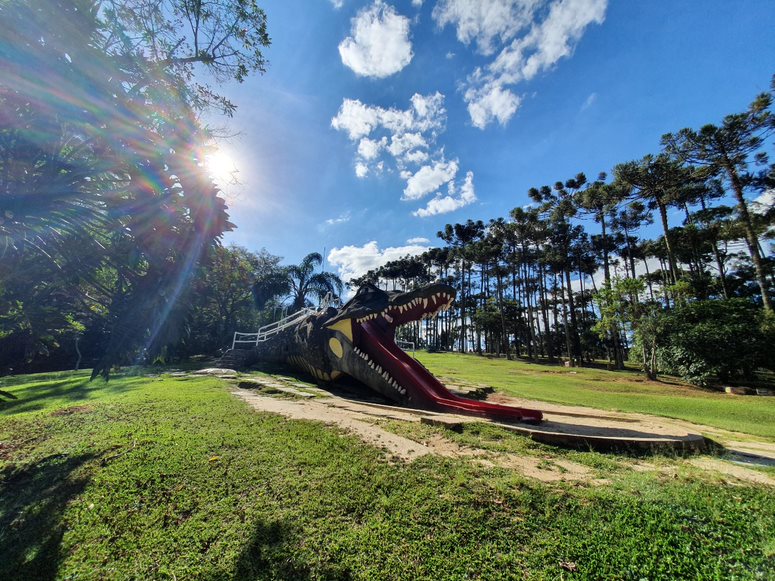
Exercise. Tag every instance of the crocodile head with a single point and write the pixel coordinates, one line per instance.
(361, 335)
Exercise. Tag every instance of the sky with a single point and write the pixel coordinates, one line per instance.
(378, 122)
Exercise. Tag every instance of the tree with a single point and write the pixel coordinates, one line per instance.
(689, 337)
(459, 237)
(103, 143)
(558, 204)
(182, 37)
(660, 181)
(222, 298)
(600, 200)
(727, 151)
(305, 282)
(299, 282)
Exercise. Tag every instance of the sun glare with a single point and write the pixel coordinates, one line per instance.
(222, 168)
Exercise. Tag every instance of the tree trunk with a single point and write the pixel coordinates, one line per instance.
(668, 246)
(606, 268)
(78, 351)
(566, 325)
(573, 320)
(544, 313)
(751, 239)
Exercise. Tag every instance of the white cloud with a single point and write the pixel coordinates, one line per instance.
(341, 219)
(589, 101)
(402, 140)
(430, 178)
(489, 103)
(451, 202)
(418, 240)
(400, 144)
(337, 3)
(417, 3)
(764, 203)
(369, 149)
(355, 118)
(528, 45)
(379, 44)
(361, 169)
(426, 118)
(485, 21)
(355, 261)
(416, 157)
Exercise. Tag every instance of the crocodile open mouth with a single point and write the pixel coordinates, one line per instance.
(411, 309)
(374, 342)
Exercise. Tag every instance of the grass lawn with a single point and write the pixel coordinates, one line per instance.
(612, 390)
(173, 478)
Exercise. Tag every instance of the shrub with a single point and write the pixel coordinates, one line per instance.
(721, 339)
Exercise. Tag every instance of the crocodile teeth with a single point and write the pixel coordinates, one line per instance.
(388, 318)
(425, 303)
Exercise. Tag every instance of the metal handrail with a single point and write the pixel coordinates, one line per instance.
(271, 329)
(406, 345)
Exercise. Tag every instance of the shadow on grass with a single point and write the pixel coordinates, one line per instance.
(345, 386)
(50, 392)
(32, 502)
(273, 553)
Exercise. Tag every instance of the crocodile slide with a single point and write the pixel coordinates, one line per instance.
(358, 340)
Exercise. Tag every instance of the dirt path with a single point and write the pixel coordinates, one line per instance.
(744, 448)
(358, 419)
(363, 420)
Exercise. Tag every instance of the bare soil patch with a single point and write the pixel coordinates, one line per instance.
(76, 409)
(6, 450)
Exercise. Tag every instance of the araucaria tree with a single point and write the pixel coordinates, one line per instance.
(728, 151)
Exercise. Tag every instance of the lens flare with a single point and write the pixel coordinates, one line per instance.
(222, 168)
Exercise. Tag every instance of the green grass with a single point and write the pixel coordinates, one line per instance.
(610, 390)
(167, 478)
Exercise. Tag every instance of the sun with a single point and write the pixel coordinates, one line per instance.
(222, 168)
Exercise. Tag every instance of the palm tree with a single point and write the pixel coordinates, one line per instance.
(304, 281)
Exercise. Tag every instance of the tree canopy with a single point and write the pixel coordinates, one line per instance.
(102, 185)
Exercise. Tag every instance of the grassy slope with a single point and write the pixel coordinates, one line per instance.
(173, 478)
(621, 391)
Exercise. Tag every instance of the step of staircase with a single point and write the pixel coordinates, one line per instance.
(233, 358)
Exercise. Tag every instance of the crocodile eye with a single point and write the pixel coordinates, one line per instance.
(336, 347)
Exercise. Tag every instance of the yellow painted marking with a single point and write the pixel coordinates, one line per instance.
(336, 347)
(345, 327)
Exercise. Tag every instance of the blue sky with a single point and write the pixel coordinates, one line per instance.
(378, 123)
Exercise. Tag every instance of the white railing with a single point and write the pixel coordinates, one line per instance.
(271, 329)
(406, 345)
